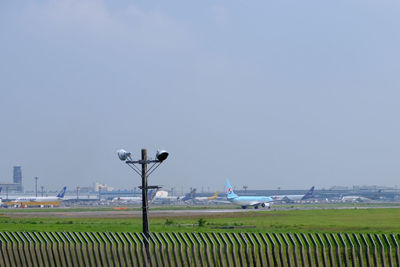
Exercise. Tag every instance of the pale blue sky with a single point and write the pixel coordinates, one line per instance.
(266, 93)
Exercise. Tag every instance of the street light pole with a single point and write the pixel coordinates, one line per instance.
(161, 156)
(36, 178)
(42, 189)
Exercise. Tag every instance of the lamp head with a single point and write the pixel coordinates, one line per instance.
(123, 155)
(162, 155)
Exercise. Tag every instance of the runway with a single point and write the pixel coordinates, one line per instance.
(130, 213)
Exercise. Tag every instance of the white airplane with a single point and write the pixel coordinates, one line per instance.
(354, 199)
(246, 201)
(126, 199)
(151, 195)
(60, 196)
(291, 198)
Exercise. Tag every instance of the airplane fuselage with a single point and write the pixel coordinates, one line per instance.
(37, 199)
(250, 200)
(126, 199)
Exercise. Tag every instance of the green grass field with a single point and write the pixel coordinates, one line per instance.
(128, 207)
(382, 220)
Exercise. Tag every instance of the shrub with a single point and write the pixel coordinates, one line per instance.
(169, 222)
(202, 222)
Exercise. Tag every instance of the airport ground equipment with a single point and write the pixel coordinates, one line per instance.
(197, 249)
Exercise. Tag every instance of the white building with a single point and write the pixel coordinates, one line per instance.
(102, 187)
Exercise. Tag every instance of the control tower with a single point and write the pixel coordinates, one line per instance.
(17, 176)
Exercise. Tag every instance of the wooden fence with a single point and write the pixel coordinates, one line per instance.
(197, 249)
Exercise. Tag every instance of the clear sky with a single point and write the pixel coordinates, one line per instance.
(266, 93)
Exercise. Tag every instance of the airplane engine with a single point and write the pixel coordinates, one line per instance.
(265, 205)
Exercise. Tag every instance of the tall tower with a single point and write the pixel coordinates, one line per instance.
(17, 176)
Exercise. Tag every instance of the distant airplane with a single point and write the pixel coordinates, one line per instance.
(246, 201)
(60, 196)
(354, 199)
(189, 196)
(192, 196)
(126, 199)
(213, 197)
(151, 194)
(291, 198)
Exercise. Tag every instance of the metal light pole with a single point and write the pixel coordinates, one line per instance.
(144, 172)
(42, 187)
(36, 178)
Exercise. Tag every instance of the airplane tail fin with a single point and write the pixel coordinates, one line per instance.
(152, 194)
(190, 195)
(214, 196)
(62, 192)
(309, 194)
(229, 190)
(193, 193)
(1, 188)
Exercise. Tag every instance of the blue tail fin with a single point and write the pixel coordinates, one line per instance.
(62, 192)
(309, 194)
(151, 194)
(1, 188)
(190, 195)
(229, 190)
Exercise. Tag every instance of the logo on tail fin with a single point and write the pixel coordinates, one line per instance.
(229, 190)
